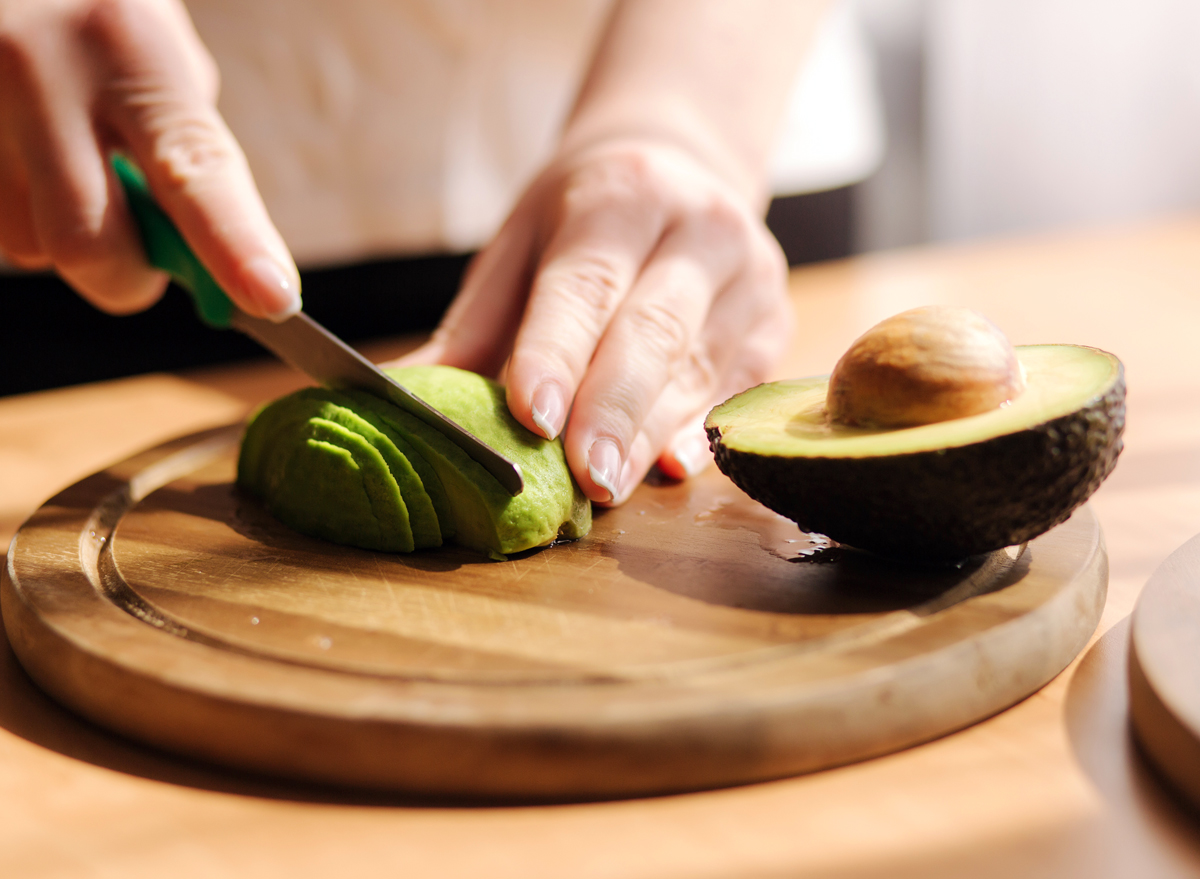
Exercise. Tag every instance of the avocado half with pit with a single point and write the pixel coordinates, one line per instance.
(355, 469)
(937, 491)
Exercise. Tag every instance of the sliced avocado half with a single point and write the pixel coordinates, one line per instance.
(355, 469)
(271, 458)
(938, 491)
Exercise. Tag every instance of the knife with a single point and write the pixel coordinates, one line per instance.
(299, 341)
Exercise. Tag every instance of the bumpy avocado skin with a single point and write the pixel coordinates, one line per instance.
(943, 504)
(350, 467)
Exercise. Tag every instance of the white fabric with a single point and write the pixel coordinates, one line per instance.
(833, 132)
(1047, 113)
(404, 126)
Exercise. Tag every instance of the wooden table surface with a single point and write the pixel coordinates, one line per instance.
(1052, 787)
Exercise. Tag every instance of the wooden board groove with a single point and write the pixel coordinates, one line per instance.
(686, 643)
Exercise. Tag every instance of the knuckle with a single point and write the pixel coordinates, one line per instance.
(624, 178)
(108, 27)
(189, 145)
(724, 232)
(590, 286)
(620, 411)
(626, 166)
(661, 327)
(724, 219)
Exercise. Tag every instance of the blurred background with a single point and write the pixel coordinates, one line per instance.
(913, 121)
(1011, 116)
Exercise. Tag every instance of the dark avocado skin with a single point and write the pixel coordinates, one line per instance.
(944, 504)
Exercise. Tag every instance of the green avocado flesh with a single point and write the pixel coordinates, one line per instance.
(355, 469)
(938, 491)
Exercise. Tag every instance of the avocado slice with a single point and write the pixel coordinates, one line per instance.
(326, 480)
(356, 469)
(397, 483)
(476, 500)
(427, 480)
(938, 491)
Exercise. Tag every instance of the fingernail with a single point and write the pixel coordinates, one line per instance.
(549, 409)
(693, 455)
(274, 288)
(604, 465)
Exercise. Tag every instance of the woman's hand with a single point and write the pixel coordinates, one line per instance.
(81, 78)
(632, 288)
(634, 285)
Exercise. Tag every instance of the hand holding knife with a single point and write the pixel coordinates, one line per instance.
(299, 341)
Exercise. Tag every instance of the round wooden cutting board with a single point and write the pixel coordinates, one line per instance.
(694, 639)
(1164, 670)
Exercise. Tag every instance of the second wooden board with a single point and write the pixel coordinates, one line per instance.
(694, 639)
(1164, 670)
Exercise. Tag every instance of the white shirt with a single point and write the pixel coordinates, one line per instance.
(384, 127)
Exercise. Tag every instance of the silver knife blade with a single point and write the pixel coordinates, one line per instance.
(303, 343)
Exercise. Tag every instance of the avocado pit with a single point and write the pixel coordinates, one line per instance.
(923, 366)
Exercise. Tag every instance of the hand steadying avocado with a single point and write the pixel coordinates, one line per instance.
(354, 469)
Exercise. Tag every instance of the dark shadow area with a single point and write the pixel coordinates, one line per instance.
(843, 582)
(246, 516)
(814, 226)
(54, 338)
(801, 574)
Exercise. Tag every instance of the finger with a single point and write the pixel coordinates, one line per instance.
(672, 434)
(611, 222)
(684, 401)
(477, 330)
(162, 111)
(745, 330)
(654, 336)
(761, 302)
(78, 226)
(18, 237)
(687, 453)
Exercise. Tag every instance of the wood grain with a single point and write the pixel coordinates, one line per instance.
(694, 639)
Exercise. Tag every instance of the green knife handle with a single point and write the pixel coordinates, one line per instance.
(166, 249)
